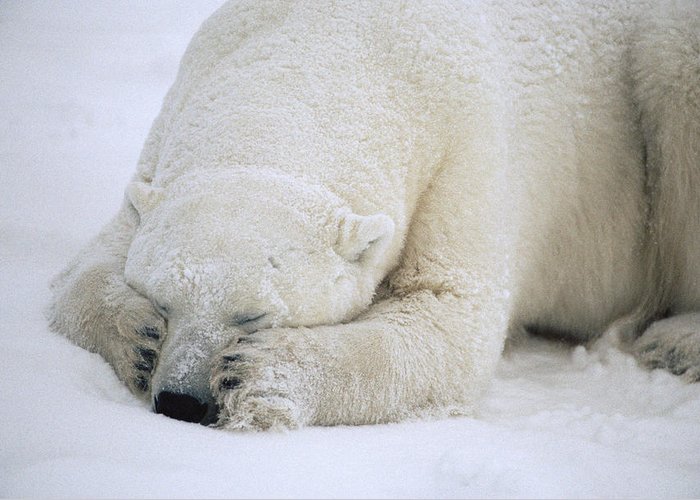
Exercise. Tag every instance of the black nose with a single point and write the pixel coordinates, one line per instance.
(181, 406)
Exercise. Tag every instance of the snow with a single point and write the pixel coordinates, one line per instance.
(80, 82)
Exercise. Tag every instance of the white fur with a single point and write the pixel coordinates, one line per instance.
(390, 186)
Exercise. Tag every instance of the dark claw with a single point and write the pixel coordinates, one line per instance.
(233, 358)
(141, 383)
(678, 369)
(144, 367)
(230, 383)
(149, 331)
(148, 355)
(675, 360)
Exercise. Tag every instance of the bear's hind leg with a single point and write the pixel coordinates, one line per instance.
(666, 76)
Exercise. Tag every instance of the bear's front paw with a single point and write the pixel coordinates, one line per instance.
(134, 351)
(672, 344)
(264, 382)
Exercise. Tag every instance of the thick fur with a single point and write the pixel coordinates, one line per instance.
(344, 206)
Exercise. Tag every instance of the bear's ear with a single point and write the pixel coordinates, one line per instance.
(361, 236)
(143, 196)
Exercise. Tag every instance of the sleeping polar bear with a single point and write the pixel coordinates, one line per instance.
(344, 206)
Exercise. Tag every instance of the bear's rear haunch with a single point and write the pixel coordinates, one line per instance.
(343, 207)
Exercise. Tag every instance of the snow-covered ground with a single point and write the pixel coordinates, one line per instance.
(80, 82)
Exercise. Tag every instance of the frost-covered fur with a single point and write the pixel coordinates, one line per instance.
(344, 206)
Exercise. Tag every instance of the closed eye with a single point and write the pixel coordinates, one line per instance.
(247, 319)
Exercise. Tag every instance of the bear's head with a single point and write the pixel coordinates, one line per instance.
(223, 253)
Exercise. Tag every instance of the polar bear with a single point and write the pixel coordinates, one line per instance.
(343, 207)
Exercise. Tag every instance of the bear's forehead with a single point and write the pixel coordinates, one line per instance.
(239, 226)
(254, 265)
(210, 284)
(214, 251)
